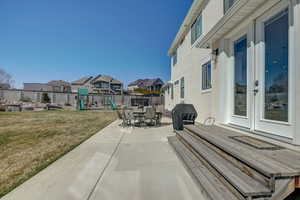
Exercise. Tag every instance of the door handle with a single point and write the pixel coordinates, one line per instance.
(256, 84)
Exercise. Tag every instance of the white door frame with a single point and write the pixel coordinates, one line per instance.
(283, 129)
(255, 58)
(244, 121)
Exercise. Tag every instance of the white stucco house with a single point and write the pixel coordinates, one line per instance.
(238, 61)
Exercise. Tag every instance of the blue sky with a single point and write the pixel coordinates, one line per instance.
(43, 40)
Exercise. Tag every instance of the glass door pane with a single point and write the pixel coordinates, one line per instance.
(276, 68)
(240, 77)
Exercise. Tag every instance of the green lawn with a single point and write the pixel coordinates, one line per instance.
(30, 141)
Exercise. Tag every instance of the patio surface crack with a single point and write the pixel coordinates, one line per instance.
(106, 166)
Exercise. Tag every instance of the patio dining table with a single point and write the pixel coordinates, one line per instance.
(140, 116)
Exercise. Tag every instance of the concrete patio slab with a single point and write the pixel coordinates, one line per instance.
(117, 163)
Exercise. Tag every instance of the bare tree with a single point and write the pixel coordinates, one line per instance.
(5, 78)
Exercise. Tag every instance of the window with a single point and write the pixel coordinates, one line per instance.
(240, 76)
(182, 87)
(196, 29)
(115, 86)
(38, 97)
(174, 58)
(228, 4)
(56, 88)
(206, 76)
(276, 78)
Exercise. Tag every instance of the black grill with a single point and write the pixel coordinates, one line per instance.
(183, 114)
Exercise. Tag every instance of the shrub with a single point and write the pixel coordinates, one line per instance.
(25, 99)
(45, 98)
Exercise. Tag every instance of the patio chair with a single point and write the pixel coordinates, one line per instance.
(158, 116)
(127, 118)
(150, 116)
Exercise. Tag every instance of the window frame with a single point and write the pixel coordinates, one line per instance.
(172, 91)
(225, 9)
(196, 25)
(182, 88)
(205, 86)
(174, 58)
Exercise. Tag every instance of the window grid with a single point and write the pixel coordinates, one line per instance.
(206, 76)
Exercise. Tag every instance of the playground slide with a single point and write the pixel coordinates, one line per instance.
(112, 104)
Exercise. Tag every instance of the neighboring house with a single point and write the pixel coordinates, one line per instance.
(237, 62)
(103, 84)
(82, 83)
(36, 87)
(60, 86)
(4, 86)
(52, 86)
(146, 84)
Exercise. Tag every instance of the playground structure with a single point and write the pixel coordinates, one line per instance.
(82, 99)
(85, 103)
(83, 95)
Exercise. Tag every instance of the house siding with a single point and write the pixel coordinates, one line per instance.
(217, 102)
(189, 65)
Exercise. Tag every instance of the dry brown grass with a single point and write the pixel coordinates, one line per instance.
(31, 141)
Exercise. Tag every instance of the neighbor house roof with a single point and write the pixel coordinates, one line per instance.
(151, 82)
(106, 78)
(185, 27)
(36, 87)
(166, 85)
(59, 83)
(4, 86)
(82, 81)
(145, 82)
(137, 82)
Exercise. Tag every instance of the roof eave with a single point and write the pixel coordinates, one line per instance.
(240, 10)
(184, 28)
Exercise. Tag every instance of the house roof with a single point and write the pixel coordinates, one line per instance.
(93, 79)
(151, 82)
(185, 26)
(4, 86)
(59, 83)
(137, 82)
(36, 86)
(106, 78)
(82, 81)
(166, 85)
(145, 82)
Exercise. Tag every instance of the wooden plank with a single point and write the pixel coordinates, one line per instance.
(297, 182)
(287, 157)
(212, 185)
(261, 163)
(284, 187)
(269, 183)
(202, 162)
(247, 185)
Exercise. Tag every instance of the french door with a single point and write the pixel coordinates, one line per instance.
(273, 93)
(262, 75)
(240, 81)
